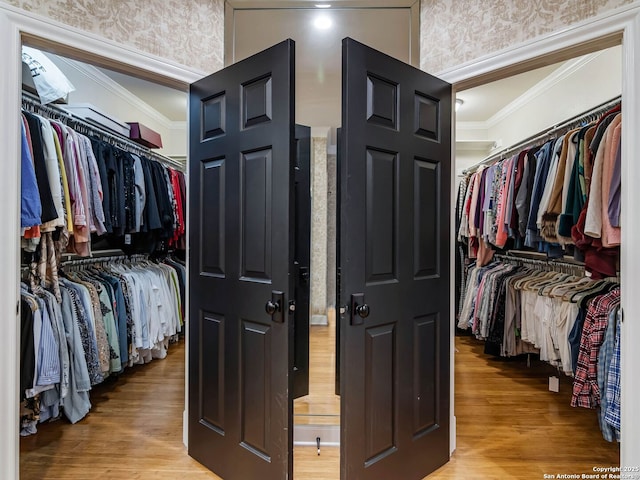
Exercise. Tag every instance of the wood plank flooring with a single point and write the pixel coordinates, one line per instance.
(322, 405)
(509, 427)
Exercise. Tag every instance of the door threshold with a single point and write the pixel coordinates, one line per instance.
(319, 320)
(306, 435)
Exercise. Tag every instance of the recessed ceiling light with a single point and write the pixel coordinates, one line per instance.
(322, 22)
(323, 5)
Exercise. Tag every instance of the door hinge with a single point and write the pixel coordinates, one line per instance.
(304, 275)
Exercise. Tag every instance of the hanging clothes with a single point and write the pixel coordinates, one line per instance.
(549, 198)
(109, 317)
(569, 321)
(94, 192)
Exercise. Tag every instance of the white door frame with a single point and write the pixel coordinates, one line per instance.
(16, 23)
(605, 30)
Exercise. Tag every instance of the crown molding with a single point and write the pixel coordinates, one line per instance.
(104, 81)
(583, 37)
(569, 68)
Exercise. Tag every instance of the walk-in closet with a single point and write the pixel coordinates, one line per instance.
(537, 293)
(103, 241)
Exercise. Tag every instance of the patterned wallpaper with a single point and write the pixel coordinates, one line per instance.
(457, 31)
(187, 32)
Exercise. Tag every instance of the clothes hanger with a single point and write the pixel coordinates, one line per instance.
(580, 283)
(567, 279)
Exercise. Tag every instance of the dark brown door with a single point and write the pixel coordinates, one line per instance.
(241, 174)
(396, 140)
(302, 261)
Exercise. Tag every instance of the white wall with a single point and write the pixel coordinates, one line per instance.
(585, 82)
(467, 158)
(471, 131)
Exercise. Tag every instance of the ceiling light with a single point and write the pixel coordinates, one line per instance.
(322, 22)
(323, 5)
(459, 103)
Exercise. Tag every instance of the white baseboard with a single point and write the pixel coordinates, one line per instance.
(185, 428)
(453, 435)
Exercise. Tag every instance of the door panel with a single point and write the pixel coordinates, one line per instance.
(302, 261)
(381, 216)
(212, 228)
(255, 232)
(241, 175)
(394, 263)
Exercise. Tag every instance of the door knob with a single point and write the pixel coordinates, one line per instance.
(272, 307)
(275, 307)
(363, 310)
(359, 309)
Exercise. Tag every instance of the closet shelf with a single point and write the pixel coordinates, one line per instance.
(475, 145)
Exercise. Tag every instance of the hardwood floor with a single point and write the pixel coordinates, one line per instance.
(509, 427)
(322, 405)
(134, 431)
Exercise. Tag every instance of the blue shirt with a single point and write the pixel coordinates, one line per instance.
(30, 206)
(605, 357)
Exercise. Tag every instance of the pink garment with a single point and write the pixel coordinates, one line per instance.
(473, 228)
(474, 185)
(610, 234)
(502, 235)
(79, 241)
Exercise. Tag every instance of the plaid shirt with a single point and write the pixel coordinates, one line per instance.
(604, 362)
(612, 415)
(585, 384)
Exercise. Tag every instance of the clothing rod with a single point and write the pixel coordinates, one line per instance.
(98, 254)
(538, 257)
(57, 113)
(554, 129)
(110, 258)
(551, 263)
